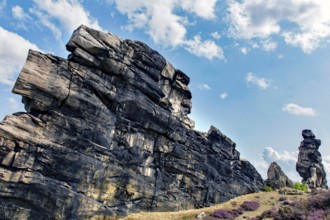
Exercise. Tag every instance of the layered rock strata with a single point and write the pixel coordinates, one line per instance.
(106, 132)
(276, 178)
(309, 164)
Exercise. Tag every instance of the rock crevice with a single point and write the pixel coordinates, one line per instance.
(107, 132)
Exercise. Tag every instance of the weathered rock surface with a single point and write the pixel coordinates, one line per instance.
(309, 164)
(276, 178)
(107, 131)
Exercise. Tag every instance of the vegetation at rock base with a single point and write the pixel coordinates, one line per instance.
(267, 188)
(300, 186)
(263, 205)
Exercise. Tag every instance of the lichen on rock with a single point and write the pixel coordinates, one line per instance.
(107, 131)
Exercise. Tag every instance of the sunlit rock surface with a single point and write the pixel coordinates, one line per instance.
(106, 132)
(309, 164)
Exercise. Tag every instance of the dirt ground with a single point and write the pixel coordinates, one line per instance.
(267, 200)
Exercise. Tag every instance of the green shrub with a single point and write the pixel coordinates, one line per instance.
(267, 188)
(300, 186)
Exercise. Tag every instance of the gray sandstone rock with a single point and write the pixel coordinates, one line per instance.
(309, 164)
(276, 178)
(106, 132)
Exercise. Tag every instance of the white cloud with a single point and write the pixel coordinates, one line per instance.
(19, 13)
(13, 53)
(244, 24)
(326, 164)
(12, 103)
(270, 155)
(204, 87)
(68, 13)
(244, 50)
(203, 8)
(46, 21)
(165, 26)
(304, 24)
(261, 83)
(223, 95)
(156, 18)
(280, 56)
(207, 48)
(268, 45)
(295, 109)
(216, 35)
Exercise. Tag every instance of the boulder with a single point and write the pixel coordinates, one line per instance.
(309, 164)
(276, 178)
(107, 132)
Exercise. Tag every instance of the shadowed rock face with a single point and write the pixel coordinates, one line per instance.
(309, 164)
(276, 178)
(106, 131)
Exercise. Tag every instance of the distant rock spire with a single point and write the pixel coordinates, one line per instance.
(309, 164)
(276, 178)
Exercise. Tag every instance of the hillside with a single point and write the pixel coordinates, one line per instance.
(311, 205)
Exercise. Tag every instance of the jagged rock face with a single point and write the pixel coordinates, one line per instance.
(276, 178)
(309, 164)
(106, 132)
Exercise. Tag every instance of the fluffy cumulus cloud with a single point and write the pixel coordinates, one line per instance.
(160, 20)
(295, 109)
(13, 52)
(261, 83)
(303, 24)
(207, 48)
(202, 8)
(68, 13)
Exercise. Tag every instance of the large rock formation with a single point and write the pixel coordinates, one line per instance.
(107, 131)
(309, 164)
(276, 178)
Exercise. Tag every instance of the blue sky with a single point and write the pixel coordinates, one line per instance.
(259, 69)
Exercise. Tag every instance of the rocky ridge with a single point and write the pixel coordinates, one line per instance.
(309, 164)
(106, 132)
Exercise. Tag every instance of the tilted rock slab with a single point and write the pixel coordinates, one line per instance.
(106, 132)
(276, 178)
(309, 164)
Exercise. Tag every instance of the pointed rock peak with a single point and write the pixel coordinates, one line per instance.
(276, 178)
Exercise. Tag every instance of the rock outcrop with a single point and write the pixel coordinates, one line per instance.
(309, 164)
(276, 178)
(106, 132)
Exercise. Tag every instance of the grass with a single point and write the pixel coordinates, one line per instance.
(267, 201)
(300, 186)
